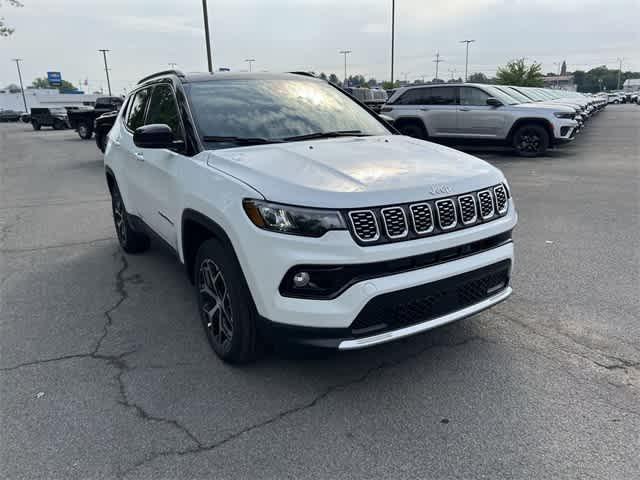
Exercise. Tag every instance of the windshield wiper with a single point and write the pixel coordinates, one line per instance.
(240, 140)
(312, 136)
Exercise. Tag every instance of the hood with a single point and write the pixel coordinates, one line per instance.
(550, 105)
(354, 172)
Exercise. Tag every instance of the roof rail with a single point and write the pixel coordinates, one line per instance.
(177, 73)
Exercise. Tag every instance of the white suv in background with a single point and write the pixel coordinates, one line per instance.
(300, 214)
(480, 114)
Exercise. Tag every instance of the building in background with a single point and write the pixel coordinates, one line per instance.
(44, 97)
(560, 82)
(631, 85)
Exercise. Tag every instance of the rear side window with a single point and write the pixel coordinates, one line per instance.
(136, 112)
(429, 96)
(473, 96)
(163, 109)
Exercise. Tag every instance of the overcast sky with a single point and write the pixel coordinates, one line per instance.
(145, 35)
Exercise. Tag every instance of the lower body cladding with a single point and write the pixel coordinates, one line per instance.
(385, 308)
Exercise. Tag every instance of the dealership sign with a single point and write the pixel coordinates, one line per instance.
(54, 78)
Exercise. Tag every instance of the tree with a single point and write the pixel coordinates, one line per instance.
(323, 75)
(372, 82)
(333, 78)
(563, 68)
(517, 72)
(478, 77)
(6, 30)
(600, 78)
(44, 83)
(389, 86)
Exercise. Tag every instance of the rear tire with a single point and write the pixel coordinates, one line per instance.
(130, 240)
(224, 303)
(36, 125)
(531, 141)
(413, 129)
(84, 131)
(101, 141)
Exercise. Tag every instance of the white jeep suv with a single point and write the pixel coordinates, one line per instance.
(299, 213)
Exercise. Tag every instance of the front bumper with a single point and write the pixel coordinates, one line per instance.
(264, 272)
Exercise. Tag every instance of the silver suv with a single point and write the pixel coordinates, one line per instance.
(480, 114)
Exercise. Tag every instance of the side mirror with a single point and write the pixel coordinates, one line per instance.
(157, 135)
(387, 119)
(494, 102)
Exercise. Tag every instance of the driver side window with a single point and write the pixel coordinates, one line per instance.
(164, 109)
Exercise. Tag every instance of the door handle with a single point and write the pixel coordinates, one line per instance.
(139, 156)
(465, 109)
(424, 109)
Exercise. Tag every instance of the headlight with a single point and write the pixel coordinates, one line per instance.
(568, 115)
(310, 222)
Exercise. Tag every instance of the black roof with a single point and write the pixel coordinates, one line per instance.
(208, 77)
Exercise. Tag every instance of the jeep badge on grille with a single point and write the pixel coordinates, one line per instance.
(440, 190)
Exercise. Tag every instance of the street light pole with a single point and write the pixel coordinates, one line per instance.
(24, 99)
(619, 72)
(106, 68)
(345, 53)
(466, 63)
(172, 65)
(250, 61)
(393, 35)
(206, 34)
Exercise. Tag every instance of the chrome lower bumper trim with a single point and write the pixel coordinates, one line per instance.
(424, 326)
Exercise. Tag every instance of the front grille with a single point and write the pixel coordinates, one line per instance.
(467, 209)
(395, 222)
(501, 198)
(486, 203)
(422, 218)
(447, 217)
(425, 302)
(365, 225)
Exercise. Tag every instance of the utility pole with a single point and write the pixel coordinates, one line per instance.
(345, 53)
(24, 99)
(206, 34)
(404, 74)
(466, 63)
(619, 72)
(250, 61)
(106, 68)
(393, 35)
(453, 73)
(437, 62)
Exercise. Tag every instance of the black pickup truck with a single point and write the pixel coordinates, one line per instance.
(82, 120)
(101, 127)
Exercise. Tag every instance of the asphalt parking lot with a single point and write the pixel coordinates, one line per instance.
(105, 371)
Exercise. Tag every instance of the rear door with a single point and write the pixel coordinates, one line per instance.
(160, 167)
(476, 118)
(439, 110)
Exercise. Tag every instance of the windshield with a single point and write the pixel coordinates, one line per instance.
(515, 94)
(58, 111)
(500, 95)
(228, 111)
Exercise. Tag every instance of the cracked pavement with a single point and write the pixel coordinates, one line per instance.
(105, 371)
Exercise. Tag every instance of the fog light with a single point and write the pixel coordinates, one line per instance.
(301, 279)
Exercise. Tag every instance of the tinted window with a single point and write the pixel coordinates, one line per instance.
(136, 112)
(428, 96)
(163, 109)
(473, 96)
(275, 109)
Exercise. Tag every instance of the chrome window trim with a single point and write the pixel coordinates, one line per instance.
(375, 221)
(475, 209)
(455, 213)
(413, 218)
(384, 220)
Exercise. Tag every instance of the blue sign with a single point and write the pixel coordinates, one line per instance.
(54, 78)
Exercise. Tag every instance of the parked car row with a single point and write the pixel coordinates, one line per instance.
(531, 120)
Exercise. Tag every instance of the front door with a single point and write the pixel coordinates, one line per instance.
(476, 118)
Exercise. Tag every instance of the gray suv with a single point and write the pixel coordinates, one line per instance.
(480, 114)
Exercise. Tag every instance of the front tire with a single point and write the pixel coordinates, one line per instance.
(531, 141)
(58, 125)
(414, 130)
(84, 131)
(130, 240)
(101, 141)
(224, 302)
(36, 125)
